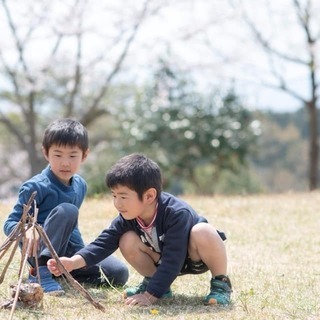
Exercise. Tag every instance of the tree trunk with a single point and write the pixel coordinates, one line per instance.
(313, 146)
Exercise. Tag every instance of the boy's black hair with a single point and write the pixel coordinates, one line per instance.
(65, 132)
(137, 172)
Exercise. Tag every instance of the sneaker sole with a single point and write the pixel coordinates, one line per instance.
(57, 293)
(211, 301)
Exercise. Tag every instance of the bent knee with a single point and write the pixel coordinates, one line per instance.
(66, 211)
(200, 229)
(202, 232)
(129, 242)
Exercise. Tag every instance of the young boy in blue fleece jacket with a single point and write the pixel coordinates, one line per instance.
(160, 235)
(60, 193)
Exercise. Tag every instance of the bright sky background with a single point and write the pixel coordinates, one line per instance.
(205, 37)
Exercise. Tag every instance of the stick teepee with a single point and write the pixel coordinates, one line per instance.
(17, 236)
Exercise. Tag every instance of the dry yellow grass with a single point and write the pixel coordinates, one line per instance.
(273, 247)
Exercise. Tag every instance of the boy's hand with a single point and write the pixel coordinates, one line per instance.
(75, 262)
(53, 266)
(143, 299)
(32, 236)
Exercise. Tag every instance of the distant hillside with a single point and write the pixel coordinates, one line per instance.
(281, 159)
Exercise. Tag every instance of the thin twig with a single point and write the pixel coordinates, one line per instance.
(108, 281)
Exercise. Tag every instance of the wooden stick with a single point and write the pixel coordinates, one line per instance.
(15, 236)
(74, 283)
(18, 233)
(36, 211)
(25, 253)
(12, 237)
(27, 223)
(8, 262)
(19, 228)
(19, 284)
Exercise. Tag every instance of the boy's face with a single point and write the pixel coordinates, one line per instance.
(128, 203)
(65, 161)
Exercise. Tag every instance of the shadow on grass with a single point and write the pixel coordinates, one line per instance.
(182, 305)
(179, 304)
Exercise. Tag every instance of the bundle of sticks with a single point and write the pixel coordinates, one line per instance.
(17, 237)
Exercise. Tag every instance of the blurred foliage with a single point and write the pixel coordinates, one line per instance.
(282, 151)
(204, 144)
(192, 137)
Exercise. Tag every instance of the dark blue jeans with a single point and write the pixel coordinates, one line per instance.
(61, 226)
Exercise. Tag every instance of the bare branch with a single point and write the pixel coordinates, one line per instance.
(304, 15)
(53, 51)
(77, 75)
(93, 111)
(282, 84)
(13, 78)
(283, 87)
(36, 21)
(268, 47)
(18, 43)
(13, 129)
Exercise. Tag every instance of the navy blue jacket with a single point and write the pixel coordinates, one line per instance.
(173, 223)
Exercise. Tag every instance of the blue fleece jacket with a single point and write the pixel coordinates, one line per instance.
(50, 193)
(173, 223)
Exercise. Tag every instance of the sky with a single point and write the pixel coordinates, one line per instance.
(211, 39)
(207, 38)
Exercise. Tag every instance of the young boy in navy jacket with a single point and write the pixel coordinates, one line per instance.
(60, 193)
(160, 235)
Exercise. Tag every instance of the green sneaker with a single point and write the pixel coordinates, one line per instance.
(220, 291)
(141, 288)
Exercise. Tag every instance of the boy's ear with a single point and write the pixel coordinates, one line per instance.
(150, 195)
(85, 155)
(44, 152)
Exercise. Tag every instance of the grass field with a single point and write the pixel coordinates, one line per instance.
(274, 259)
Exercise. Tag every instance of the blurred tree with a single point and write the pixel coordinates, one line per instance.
(281, 159)
(55, 63)
(184, 130)
(296, 46)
